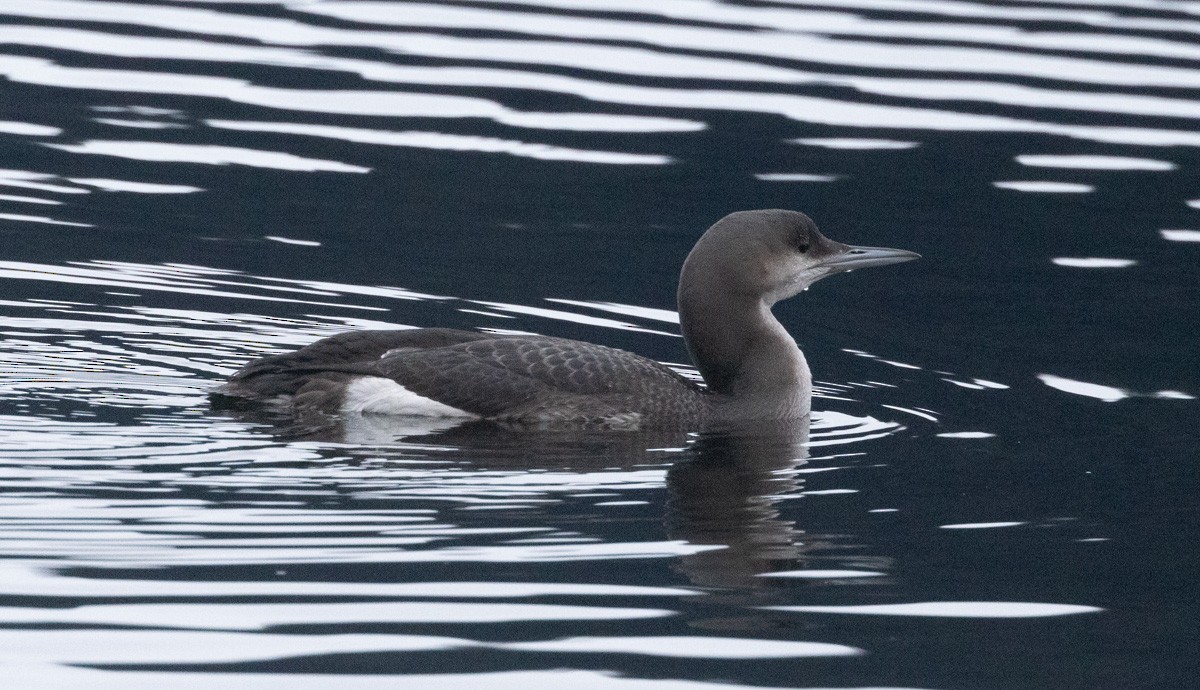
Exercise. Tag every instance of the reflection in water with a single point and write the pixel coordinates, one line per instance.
(374, 491)
(723, 487)
(727, 495)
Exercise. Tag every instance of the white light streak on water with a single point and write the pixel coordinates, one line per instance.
(922, 415)
(381, 103)
(44, 677)
(138, 124)
(1094, 162)
(29, 200)
(28, 129)
(802, 108)
(1046, 187)
(208, 616)
(1181, 235)
(1174, 395)
(289, 240)
(41, 186)
(449, 142)
(690, 647)
(209, 155)
(23, 218)
(1092, 262)
(851, 144)
(795, 177)
(1090, 390)
(140, 187)
(25, 647)
(823, 574)
(951, 609)
(112, 277)
(777, 44)
(664, 315)
(572, 317)
(981, 525)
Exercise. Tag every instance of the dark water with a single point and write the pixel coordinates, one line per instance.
(999, 486)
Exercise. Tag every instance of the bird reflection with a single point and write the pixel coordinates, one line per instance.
(727, 494)
(723, 489)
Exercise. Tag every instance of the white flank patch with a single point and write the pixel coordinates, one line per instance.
(374, 395)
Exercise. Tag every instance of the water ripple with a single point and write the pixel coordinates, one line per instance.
(141, 529)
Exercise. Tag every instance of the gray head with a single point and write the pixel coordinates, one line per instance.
(772, 255)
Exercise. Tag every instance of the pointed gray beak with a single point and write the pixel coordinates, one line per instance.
(865, 257)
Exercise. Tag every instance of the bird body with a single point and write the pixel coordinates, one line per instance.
(448, 373)
(752, 367)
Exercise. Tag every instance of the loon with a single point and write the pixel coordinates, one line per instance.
(752, 368)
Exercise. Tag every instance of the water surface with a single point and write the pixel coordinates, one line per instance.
(998, 486)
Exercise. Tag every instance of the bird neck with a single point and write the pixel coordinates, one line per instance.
(744, 354)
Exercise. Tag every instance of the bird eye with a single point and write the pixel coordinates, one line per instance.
(802, 247)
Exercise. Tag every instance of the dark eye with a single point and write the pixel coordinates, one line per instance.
(802, 247)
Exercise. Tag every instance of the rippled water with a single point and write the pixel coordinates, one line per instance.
(998, 489)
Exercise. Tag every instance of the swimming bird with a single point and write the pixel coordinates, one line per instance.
(752, 368)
